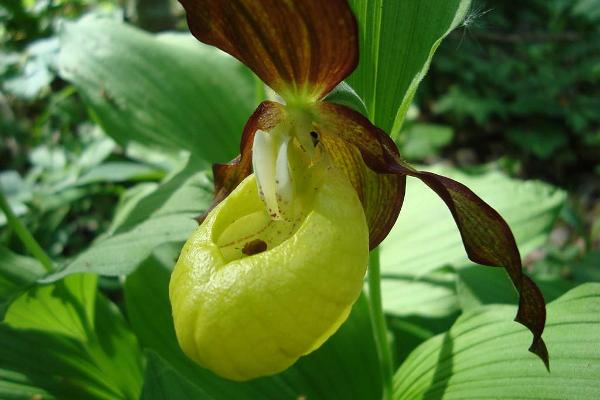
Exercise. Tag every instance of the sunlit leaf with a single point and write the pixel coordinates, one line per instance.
(66, 339)
(17, 273)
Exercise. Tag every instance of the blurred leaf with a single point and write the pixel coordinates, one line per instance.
(128, 201)
(66, 339)
(542, 143)
(421, 140)
(425, 237)
(166, 91)
(328, 373)
(119, 171)
(17, 273)
(478, 286)
(16, 191)
(397, 42)
(484, 355)
(588, 267)
(589, 9)
(37, 71)
(164, 216)
(162, 382)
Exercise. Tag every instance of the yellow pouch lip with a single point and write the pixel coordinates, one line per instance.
(193, 343)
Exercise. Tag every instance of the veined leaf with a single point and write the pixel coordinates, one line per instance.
(484, 355)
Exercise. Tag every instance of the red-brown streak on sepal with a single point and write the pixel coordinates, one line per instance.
(381, 195)
(228, 176)
(295, 47)
(486, 236)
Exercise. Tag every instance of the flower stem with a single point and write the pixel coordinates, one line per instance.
(379, 324)
(26, 237)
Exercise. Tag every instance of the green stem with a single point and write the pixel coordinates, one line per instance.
(30, 243)
(379, 325)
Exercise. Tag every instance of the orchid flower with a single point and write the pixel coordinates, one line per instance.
(274, 268)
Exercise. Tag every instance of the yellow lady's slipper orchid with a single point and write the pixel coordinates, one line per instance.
(275, 267)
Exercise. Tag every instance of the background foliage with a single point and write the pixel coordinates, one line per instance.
(107, 135)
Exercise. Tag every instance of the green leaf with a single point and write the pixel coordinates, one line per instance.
(119, 171)
(168, 90)
(65, 339)
(484, 355)
(17, 273)
(425, 237)
(397, 42)
(162, 382)
(477, 286)
(432, 295)
(328, 373)
(344, 95)
(164, 216)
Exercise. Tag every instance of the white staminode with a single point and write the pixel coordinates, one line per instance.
(271, 168)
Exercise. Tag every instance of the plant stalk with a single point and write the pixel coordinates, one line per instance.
(379, 324)
(26, 237)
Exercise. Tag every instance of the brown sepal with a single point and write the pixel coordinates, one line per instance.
(296, 47)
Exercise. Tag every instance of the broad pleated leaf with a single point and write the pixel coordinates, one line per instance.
(297, 48)
(483, 357)
(397, 41)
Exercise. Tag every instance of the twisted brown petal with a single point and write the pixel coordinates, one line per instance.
(487, 238)
(298, 48)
